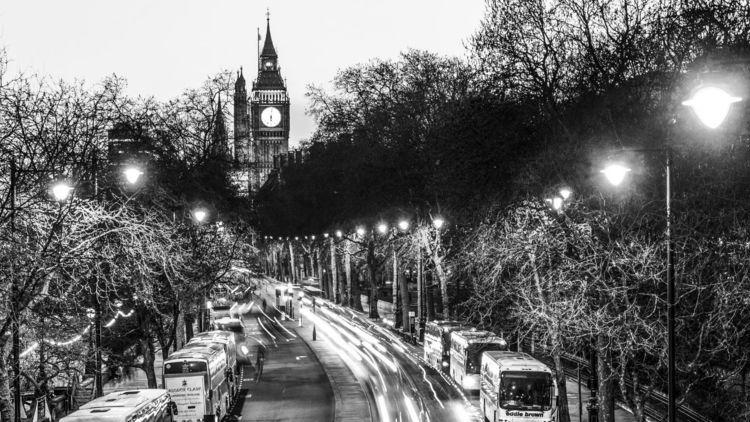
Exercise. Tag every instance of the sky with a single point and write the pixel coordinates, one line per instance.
(163, 47)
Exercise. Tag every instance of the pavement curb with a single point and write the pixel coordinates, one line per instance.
(350, 402)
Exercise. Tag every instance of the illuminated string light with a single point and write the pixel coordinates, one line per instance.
(77, 337)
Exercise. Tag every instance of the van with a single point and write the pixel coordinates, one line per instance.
(152, 404)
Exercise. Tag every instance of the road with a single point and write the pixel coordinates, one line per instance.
(397, 383)
(292, 384)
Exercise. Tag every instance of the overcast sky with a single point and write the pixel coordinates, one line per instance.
(165, 46)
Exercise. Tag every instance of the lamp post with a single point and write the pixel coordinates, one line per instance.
(711, 105)
(200, 215)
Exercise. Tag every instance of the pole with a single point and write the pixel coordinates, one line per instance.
(395, 289)
(593, 383)
(420, 295)
(16, 346)
(580, 402)
(98, 353)
(671, 388)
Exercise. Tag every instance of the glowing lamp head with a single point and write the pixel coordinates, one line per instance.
(565, 193)
(711, 105)
(339, 233)
(200, 215)
(438, 223)
(360, 231)
(325, 235)
(132, 174)
(615, 173)
(403, 225)
(382, 228)
(556, 203)
(61, 191)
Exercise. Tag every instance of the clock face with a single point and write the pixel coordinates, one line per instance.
(269, 64)
(270, 116)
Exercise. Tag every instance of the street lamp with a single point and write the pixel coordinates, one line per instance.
(200, 215)
(132, 174)
(615, 173)
(711, 105)
(382, 228)
(360, 231)
(61, 191)
(403, 225)
(438, 222)
(339, 234)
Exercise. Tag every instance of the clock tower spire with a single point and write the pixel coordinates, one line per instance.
(269, 113)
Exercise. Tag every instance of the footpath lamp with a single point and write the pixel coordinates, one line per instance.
(132, 174)
(711, 105)
(199, 216)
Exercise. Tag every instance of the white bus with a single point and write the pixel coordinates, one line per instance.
(152, 405)
(196, 380)
(437, 343)
(466, 354)
(517, 387)
(230, 356)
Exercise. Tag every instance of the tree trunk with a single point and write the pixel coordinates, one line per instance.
(333, 274)
(6, 396)
(606, 381)
(562, 388)
(293, 270)
(372, 276)
(405, 305)
(321, 271)
(394, 283)
(347, 273)
(148, 362)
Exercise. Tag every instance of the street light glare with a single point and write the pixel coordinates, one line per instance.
(61, 191)
(438, 223)
(338, 233)
(403, 225)
(132, 174)
(557, 203)
(200, 215)
(615, 173)
(382, 228)
(711, 105)
(361, 231)
(565, 193)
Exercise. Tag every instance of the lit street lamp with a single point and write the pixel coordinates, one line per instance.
(438, 223)
(132, 174)
(711, 105)
(382, 228)
(61, 191)
(615, 173)
(200, 215)
(360, 231)
(403, 225)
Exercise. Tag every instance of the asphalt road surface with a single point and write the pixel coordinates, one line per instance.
(291, 385)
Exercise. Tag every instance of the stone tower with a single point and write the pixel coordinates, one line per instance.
(269, 114)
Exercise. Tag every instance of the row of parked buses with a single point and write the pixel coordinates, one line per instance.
(200, 382)
(512, 386)
(203, 377)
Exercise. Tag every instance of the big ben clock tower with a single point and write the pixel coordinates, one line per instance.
(269, 114)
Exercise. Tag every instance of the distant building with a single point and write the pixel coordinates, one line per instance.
(261, 121)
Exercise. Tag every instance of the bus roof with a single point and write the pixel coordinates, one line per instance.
(200, 353)
(445, 323)
(115, 406)
(514, 361)
(475, 336)
(215, 335)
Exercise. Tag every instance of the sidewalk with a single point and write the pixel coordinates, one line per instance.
(136, 378)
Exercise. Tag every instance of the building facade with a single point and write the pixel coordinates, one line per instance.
(261, 120)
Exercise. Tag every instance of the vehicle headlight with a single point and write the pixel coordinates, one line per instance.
(445, 364)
